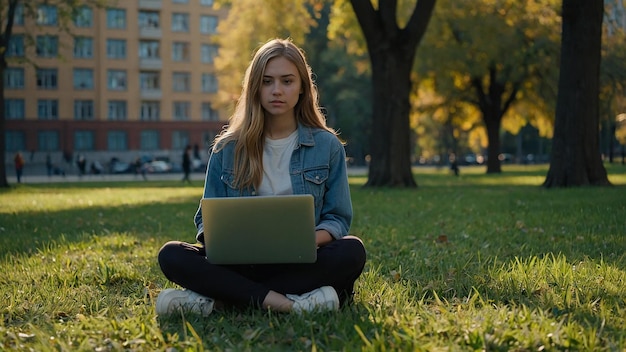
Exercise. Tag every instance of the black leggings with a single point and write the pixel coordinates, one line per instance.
(339, 264)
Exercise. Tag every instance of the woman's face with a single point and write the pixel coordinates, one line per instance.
(280, 88)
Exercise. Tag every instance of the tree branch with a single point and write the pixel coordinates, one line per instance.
(416, 27)
(368, 20)
(387, 10)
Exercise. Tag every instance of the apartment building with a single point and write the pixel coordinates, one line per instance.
(131, 80)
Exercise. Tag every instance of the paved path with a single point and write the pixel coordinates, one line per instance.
(196, 176)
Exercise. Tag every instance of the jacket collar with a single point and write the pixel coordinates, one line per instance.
(305, 135)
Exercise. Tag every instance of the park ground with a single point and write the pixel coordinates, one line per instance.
(474, 262)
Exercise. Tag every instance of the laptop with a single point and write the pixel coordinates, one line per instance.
(259, 230)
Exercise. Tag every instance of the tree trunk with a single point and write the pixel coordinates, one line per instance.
(392, 51)
(490, 103)
(5, 37)
(390, 163)
(492, 124)
(4, 183)
(575, 159)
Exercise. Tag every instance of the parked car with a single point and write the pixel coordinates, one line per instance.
(157, 166)
(117, 166)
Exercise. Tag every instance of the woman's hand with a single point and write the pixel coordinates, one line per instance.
(322, 237)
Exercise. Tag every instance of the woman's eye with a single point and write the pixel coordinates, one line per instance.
(267, 81)
(287, 81)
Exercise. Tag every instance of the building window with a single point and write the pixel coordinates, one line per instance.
(209, 83)
(149, 19)
(84, 140)
(116, 79)
(83, 78)
(14, 109)
(83, 47)
(14, 141)
(16, 46)
(117, 110)
(117, 140)
(116, 48)
(206, 2)
(182, 110)
(209, 52)
(149, 80)
(47, 15)
(150, 111)
(180, 51)
(47, 45)
(14, 78)
(83, 110)
(18, 17)
(48, 109)
(180, 140)
(48, 140)
(116, 18)
(149, 49)
(149, 140)
(84, 17)
(47, 78)
(181, 81)
(208, 24)
(208, 113)
(208, 137)
(180, 22)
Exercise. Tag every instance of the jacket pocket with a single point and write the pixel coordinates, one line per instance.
(228, 178)
(315, 181)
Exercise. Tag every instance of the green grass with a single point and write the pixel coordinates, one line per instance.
(476, 262)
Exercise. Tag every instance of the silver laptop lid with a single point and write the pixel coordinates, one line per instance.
(259, 230)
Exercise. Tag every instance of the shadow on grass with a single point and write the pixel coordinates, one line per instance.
(27, 232)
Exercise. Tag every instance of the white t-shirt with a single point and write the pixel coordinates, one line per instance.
(276, 158)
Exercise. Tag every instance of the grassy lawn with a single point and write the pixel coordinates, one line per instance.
(476, 262)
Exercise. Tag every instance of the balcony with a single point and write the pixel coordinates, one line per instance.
(147, 32)
(151, 94)
(150, 63)
(150, 4)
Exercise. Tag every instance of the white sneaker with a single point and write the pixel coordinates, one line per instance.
(172, 300)
(321, 299)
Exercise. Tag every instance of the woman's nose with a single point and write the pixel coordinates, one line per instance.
(276, 89)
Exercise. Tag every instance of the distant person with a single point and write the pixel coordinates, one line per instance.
(454, 165)
(81, 162)
(277, 143)
(187, 164)
(139, 169)
(18, 159)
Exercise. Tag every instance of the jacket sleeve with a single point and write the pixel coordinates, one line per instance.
(213, 187)
(336, 213)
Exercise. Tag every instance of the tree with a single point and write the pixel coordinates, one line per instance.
(576, 157)
(29, 12)
(392, 52)
(499, 57)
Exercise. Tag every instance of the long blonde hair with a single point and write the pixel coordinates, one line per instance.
(246, 125)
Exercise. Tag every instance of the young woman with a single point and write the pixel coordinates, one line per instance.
(276, 143)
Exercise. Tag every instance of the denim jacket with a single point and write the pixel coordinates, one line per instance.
(317, 167)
